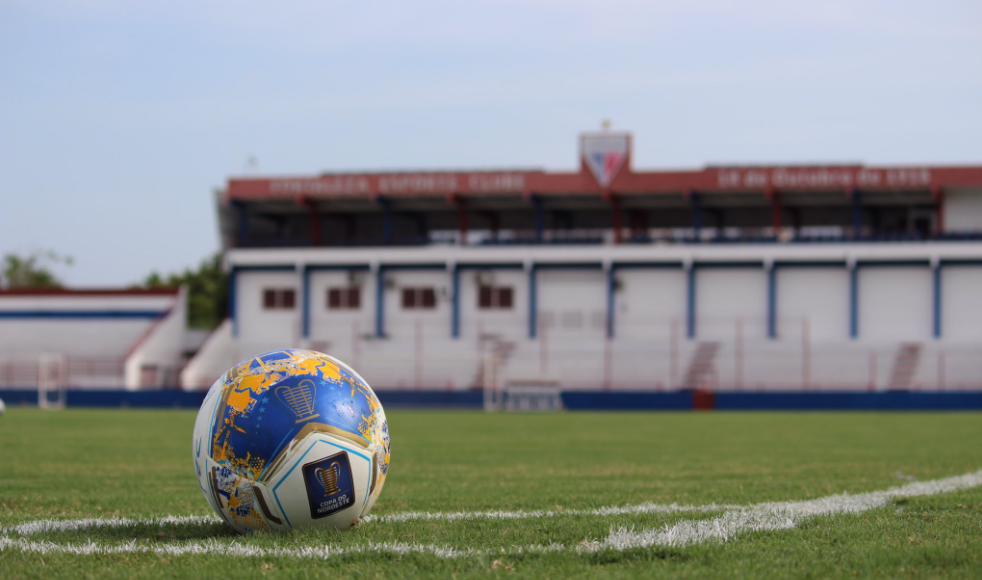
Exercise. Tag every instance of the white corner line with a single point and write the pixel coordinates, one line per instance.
(733, 522)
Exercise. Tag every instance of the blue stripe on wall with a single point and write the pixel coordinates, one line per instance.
(690, 314)
(380, 302)
(937, 301)
(854, 302)
(772, 302)
(533, 302)
(81, 314)
(455, 304)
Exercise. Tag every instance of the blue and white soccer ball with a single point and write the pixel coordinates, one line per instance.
(291, 439)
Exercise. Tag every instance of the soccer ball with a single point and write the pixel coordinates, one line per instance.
(2, 407)
(291, 439)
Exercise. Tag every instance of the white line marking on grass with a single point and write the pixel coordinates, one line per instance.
(42, 526)
(644, 508)
(777, 516)
(726, 527)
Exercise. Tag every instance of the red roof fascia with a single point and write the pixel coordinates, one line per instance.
(708, 180)
(69, 292)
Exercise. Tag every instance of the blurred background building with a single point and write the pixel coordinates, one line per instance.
(825, 277)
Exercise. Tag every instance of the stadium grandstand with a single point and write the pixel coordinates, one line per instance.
(727, 278)
(56, 338)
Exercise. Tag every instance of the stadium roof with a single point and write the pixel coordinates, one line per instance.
(748, 179)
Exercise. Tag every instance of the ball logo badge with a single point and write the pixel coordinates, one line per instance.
(329, 478)
(299, 399)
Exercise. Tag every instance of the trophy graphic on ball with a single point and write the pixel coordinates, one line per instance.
(299, 399)
(329, 478)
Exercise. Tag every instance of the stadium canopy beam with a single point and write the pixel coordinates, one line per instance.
(615, 206)
(857, 213)
(540, 218)
(696, 212)
(938, 194)
(776, 210)
(461, 219)
(243, 233)
(386, 206)
(494, 223)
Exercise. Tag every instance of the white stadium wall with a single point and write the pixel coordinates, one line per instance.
(785, 321)
(963, 210)
(92, 338)
(961, 288)
(650, 299)
(726, 296)
(509, 324)
(571, 303)
(259, 327)
(813, 300)
(895, 303)
(336, 330)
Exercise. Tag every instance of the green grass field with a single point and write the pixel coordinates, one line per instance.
(132, 463)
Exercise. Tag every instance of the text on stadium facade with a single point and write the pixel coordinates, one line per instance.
(400, 184)
(822, 177)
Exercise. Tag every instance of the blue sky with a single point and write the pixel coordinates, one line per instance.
(119, 119)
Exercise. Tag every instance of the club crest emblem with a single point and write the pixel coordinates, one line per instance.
(299, 399)
(330, 485)
(604, 154)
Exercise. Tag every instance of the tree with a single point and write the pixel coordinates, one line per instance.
(30, 272)
(207, 291)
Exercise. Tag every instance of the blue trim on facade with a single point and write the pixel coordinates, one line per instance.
(421, 266)
(491, 266)
(305, 301)
(273, 268)
(937, 301)
(814, 264)
(647, 265)
(724, 265)
(570, 265)
(854, 302)
(380, 302)
(338, 267)
(611, 299)
(690, 305)
(533, 301)
(83, 314)
(455, 303)
(893, 263)
(578, 400)
(772, 302)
